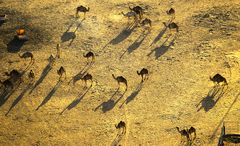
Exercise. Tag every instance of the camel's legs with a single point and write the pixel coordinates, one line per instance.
(65, 75)
(91, 82)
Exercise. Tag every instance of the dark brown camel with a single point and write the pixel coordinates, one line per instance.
(218, 79)
(122, 125)
(171, 12)
(87, 77)
(184, 133)
(172, 26)
(90, 55)
(120, 79)
(190, 131)
(26, 55)
(60, 72)
(146, 21)
(83, 10)
(144, 74)
(138, 10)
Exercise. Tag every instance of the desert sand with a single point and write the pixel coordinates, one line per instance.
(179, 65)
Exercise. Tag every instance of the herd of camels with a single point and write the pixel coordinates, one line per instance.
(15, 77)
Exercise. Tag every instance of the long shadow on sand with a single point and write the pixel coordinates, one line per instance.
(110, 104)
(76, 101)
(50, 94)
(159, 36)
(159, 51)
(16, 101)
(8, 92)
(223, 118)
(213, 96)
(133, 94)
(118, 137)
(80, 75)
(45, 72)
(124, 34)
(15, 45)
(136, 44)
(70, 35)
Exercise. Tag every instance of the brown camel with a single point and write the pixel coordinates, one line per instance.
(144, 74)
(218, 79)
(184, 133)
(60, 72)
(83, 10)
(121, 79)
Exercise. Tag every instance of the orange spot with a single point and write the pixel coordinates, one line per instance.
(20, 31)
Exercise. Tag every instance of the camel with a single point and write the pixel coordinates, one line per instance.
(21, 34)
(26, 55)
(88, 55)
(138, 10)
(172, 26)
(144, 74)
(130, 14)
(218, 79)
(52, 60)
(13, 74)
(120, 79)
(171, 12)
(190, 131)
(31, 75)
(183, 133)
(86, 78)
(122, 125)
(60, 72)
(83, 10)
(146, 21)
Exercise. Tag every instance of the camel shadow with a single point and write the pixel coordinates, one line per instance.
(133, 94)
(50, 94)
(80, 75)
(45, 72)
(16, 101)
(8, 92)
(111, 103)
(159, 51)
(159, 36)
(15, 45)
(124, 34)
(76, 101)
(208, 102)
(4, 97)
(70, 35)
(117, 139)
(136, 44)
(1, 23)
(211, 139)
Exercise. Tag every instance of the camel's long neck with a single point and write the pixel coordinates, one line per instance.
(138, 72)
(210, 78)
(178, 129)
(114, 76)
(165, 24)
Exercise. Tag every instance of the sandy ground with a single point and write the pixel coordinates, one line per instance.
(179, 64)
